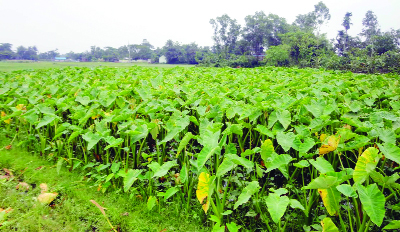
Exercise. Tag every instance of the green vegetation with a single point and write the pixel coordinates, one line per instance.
(271, 148)
(72, 209)
(14, 66)
(264, 40)
(301, 44)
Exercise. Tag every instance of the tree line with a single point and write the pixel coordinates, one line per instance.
(270, 40)
(263, 40)
(174, 52)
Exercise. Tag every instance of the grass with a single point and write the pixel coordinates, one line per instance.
(72, 210)
(13, 66)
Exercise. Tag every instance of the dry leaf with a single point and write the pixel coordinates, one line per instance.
(40, 167)
(332, 145)
(23, 186)
(8, 147)
(44, 188)
(8, 210)
(125, 214)
(347, 126)
(21, 107)
(7, 171)
(99, 206)
(47, 198)
(8, 174)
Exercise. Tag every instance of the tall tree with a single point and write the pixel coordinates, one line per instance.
(306, 22)
(347, 21)
(322, 15)
(370, 27)
(313, 21)
(262, 30)
(343, 37)
(226, 33)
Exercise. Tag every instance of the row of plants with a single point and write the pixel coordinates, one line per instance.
(269, 148)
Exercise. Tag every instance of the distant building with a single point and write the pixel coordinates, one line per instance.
(60, 59)
(259, 57)
(162, 60)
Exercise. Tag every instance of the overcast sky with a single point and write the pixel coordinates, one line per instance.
(75, 25)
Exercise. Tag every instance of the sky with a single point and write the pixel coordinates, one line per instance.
(75, 25)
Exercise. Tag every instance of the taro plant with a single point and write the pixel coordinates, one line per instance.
(276, 149)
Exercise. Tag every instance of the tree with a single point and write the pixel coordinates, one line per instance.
(202, 53)
(384, 43)
(96, 52)
(49, 55)
(189, 53)
(371, 27)
(172, 52)
(110, 54)
(29, 53)
(347, 21)
(313, 20)
(243, 46)
(322, 15)
(305, 48)
(5, 51)
(262, 30)
(305, 22)
(343, 37)
(226, 33)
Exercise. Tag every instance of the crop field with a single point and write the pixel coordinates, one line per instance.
(263, 149)
(6, 66)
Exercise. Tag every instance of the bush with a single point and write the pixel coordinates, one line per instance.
(278, 55)
(391, 60)
(234, 61)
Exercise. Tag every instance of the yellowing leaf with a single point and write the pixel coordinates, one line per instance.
(365, 164)
(47, 198)
(323, 137)
(202, 191)
(96, 116)
(21, 107)
(333, 143)
(151, 202)
(203, 187)
(8, 121)
(267, 150)
(331, 199)
(3, 114)
(206, 206)
(328, 225)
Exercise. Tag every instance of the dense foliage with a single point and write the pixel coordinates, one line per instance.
(278, 149)
(301, 44)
